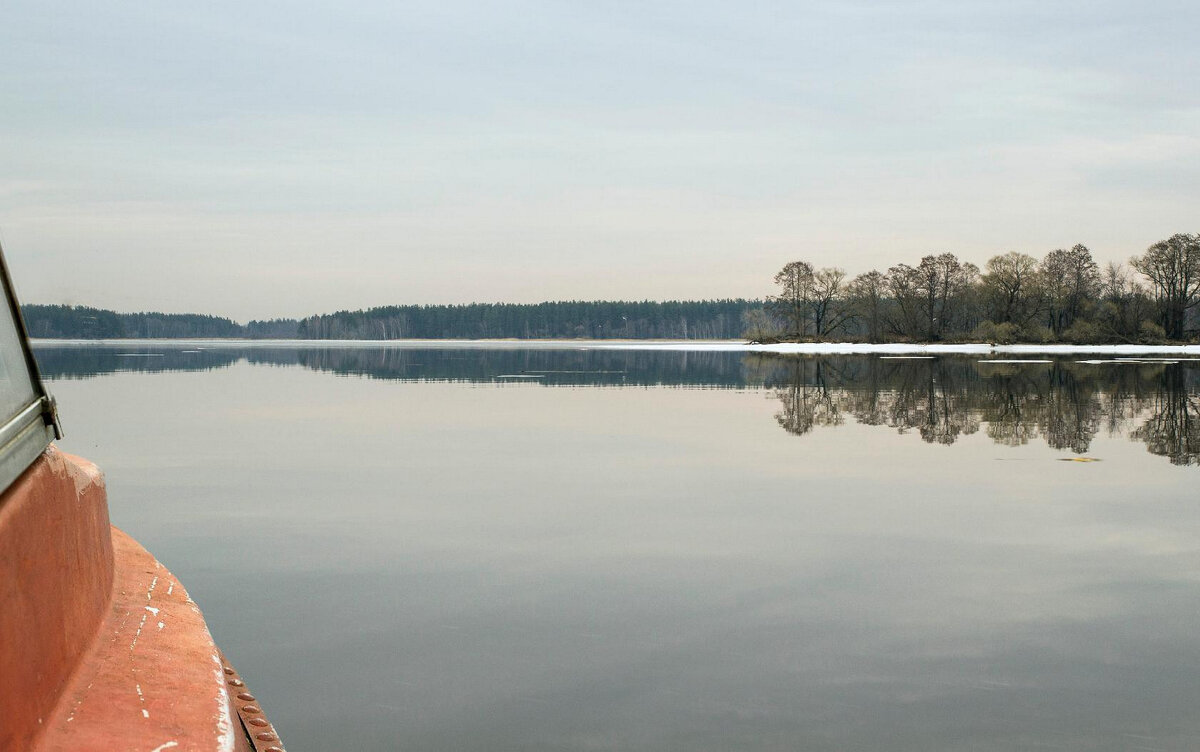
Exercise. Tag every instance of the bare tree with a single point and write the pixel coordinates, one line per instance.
(1010, 288)
(931, 295)
(903, 286)
(828, 312)
(759, 326)
(1124, 305)
(1173, 268)
(867, 293)
(795, 282)
(1070, 279)
(808, 300)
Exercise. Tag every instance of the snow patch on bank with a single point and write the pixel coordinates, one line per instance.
(894, 349)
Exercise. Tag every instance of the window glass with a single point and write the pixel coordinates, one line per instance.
(16, 386)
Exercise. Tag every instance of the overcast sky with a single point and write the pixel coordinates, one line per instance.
(272, 159)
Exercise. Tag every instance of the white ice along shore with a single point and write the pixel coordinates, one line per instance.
(855, 348)
(803, 348)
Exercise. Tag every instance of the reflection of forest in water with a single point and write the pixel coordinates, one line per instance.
(552, 367)
(1065, 403)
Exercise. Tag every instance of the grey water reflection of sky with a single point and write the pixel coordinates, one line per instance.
(273, 159)
(435, 566)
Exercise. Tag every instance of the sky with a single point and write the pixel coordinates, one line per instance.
(279, 159)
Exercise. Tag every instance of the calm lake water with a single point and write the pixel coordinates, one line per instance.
(580, 549)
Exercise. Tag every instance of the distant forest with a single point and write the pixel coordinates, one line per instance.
(82, 322)
(674, 319)
(703, 319)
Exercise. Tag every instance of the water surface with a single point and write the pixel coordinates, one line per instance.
(505, 549)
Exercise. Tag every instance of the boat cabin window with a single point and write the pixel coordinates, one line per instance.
(25, 428)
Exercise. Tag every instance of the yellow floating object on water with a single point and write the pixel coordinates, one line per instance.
(1078, 459)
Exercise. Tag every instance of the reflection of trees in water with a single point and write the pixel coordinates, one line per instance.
(1011, 408)
(820, 392)
(72, 362)
(1173, 429)
(1021, 403)
(1064, 403)
(555, 367)
(1071, 414)
(934, 401)
(582, 366)
(807, 400)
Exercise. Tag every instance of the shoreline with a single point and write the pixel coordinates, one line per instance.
(796, 348)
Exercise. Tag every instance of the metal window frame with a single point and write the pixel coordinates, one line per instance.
(24, 437)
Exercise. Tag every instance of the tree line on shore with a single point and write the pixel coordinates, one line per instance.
(1063, 297)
